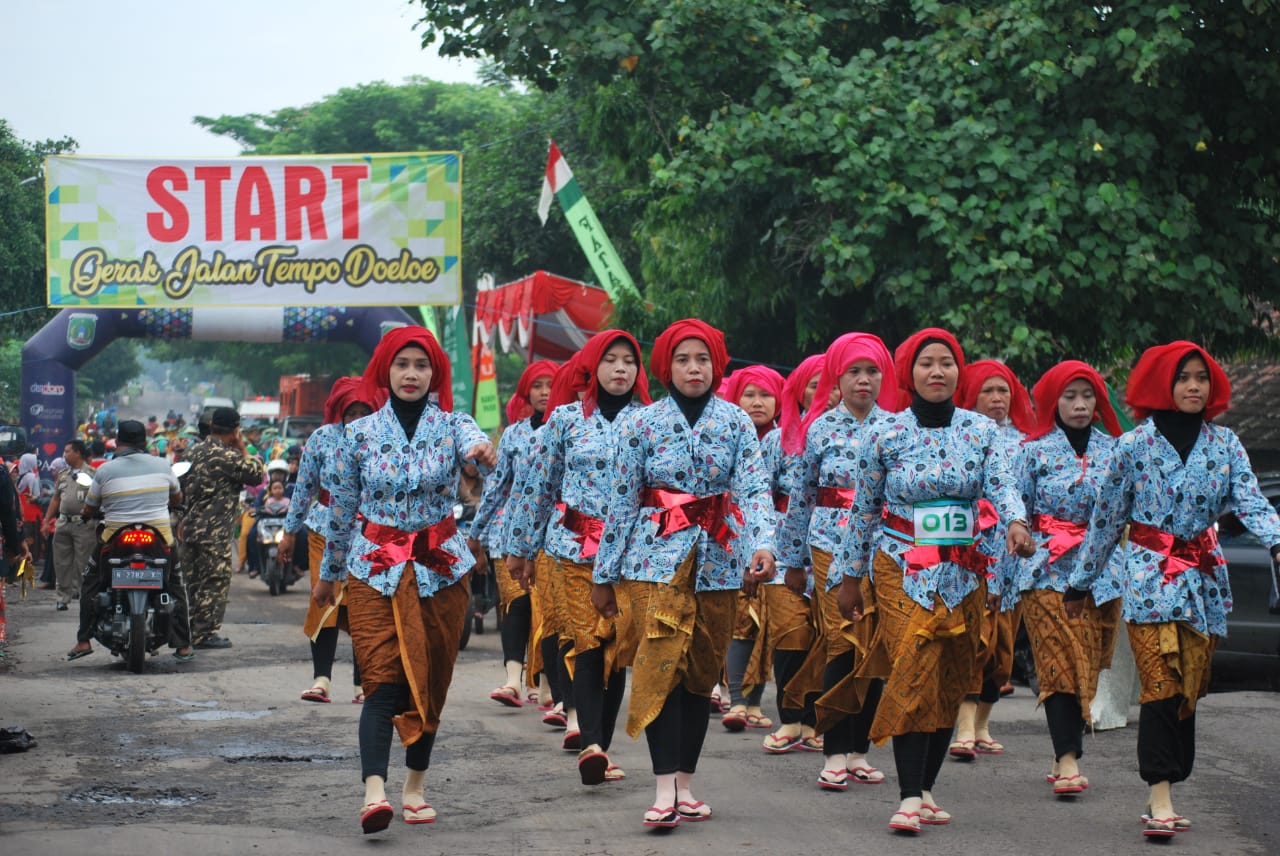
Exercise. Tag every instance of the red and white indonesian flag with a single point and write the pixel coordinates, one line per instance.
(557, 176)
(558, 183)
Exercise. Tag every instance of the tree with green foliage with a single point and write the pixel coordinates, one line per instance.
(22, 254)
(1046, 178)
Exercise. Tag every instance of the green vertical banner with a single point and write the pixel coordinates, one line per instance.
(488, 413)
(1117, 404)
(458, 346)
(558, 182)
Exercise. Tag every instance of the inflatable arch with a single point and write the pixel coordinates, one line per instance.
(51, 357)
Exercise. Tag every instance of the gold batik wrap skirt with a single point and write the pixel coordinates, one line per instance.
(318, 619)
(1066, 650)
(407, 639)
(586, 628)
(1173, 659)
(682, 636)
(1001, 631)
(751, 623)
(1109, 616)
(934, 654)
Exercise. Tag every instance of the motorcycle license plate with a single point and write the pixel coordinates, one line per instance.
(137, 578)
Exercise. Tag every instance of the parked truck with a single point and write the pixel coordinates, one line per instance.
(302, 398)
(303, 394)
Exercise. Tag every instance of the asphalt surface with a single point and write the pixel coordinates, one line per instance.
(220, 756)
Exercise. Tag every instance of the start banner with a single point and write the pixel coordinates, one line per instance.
(306, 230)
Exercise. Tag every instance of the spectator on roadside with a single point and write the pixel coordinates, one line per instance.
(74, 537)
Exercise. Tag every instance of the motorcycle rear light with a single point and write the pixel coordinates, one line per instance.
(137, 565)
(138, 538)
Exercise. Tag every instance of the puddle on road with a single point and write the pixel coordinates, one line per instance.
(218, 715)
(106, 795)
(196, 703)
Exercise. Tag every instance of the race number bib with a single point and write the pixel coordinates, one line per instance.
(944, 522)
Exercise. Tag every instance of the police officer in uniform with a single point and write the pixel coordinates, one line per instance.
(74, 537)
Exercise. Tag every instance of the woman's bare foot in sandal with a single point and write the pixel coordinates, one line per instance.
(931, 814)
(907, 817)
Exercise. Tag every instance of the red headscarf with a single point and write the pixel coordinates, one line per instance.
(346, 392)
(842, 353)
(793, 402)
(579, 374)
(904, 359)
(981, 371)
(761, 376)
(1151, 382)
(689, 328)
(518, 406)
(377, 375)
(1049, 389)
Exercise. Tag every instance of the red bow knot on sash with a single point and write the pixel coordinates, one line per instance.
(1179, 553)
(424, 547)
(988, 517)
(922, 557)
(836, 497)
(682, 510)
(1063, 534)
(586, 529)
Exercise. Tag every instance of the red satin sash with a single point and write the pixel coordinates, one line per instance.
(424, 547)
(1179, 554)
(586, 529)
(1063, 534)
(923, 557)
(682, 510)
(988, 517)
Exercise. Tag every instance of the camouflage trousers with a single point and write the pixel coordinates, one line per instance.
(208, 570)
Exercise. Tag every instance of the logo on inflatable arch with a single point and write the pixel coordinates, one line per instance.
(81, 328)
(48, 389)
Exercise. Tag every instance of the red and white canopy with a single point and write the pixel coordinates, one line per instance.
(544, 316)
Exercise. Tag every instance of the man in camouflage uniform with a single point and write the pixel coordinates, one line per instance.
(220, 468)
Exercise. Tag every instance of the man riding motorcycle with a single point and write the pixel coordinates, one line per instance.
(133, 487)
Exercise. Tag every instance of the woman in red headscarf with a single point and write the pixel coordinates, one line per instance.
(992, 389)
(525, 411)
(858, 368)
(348, 401)
(1061, 468)
(790, 618)
(392, 539)
(1170, 479)
(690, 522)
(758, 391)
(560, 515)
(921, 473)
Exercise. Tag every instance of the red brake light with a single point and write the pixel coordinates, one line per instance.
(138, 538)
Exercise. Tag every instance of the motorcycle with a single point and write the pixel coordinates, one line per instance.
(133, 612)
(269, 531)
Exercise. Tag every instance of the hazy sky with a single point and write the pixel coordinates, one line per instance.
(126, 77)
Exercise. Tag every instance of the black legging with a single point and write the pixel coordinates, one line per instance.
(596, 704)
(850, 734)
(387, 701)
(1166, 744)
(515, 629)
(675, 737)
(785, 666)
(557, 675)
(918, 757)
(325, 648)
(990, 693)
(1066, 724)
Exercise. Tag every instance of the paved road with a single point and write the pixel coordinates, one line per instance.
(219, 756)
